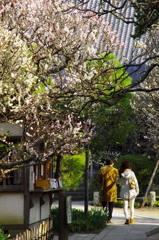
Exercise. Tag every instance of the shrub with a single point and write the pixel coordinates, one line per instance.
(156, 203)
(157, 198)
(120, 203)
(137, 205)
(95, 222)
(55, 213)
(77, 214)
(3, 236)
(81, 226)
(97, 217)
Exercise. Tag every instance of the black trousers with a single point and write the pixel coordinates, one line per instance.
(109, 208)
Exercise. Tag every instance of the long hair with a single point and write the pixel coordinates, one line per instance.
(124, 165)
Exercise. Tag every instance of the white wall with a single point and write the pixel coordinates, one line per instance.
(15, 129)
(11, 208)
(38, 213)
(35, 211)
(45, 209)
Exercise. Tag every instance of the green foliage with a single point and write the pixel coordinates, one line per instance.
(94, 185)
(81, 226)
(119, 203)
(118, 75)
(4, 146)
(114, 79)
(109, 124)
(97, 217)
(142, 165)
(96, 220)
(55, 213)
(77, 214)
(3, 149)
(156, 204)
(109, 121)
(3, 236)
(72, 168)
(41, 89)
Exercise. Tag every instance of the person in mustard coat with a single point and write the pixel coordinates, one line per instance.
(108, 189)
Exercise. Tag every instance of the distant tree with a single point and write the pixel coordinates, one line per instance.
(72, 169)
(111, 124)
(112, 129)
(146, 14)
(147, 119)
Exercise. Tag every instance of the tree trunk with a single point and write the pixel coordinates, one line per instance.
(150, 183)
(58, 164)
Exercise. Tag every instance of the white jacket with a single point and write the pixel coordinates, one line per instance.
(126, 192)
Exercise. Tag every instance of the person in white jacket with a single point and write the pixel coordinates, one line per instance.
(126, 193)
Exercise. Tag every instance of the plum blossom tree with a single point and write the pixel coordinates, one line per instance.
(147, 119)
(43, 67)
(61, 43)
(146, 104)
(46, 132)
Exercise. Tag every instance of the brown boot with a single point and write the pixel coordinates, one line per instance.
(127, 221)
(109, 221)
(132, 220)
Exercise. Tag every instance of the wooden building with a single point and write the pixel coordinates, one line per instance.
(26, 194)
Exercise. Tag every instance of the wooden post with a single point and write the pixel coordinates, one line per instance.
(27, 196)
(86, 182)
(63, 226)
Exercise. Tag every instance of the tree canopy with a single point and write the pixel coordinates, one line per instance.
(44, 76)
(55, 65)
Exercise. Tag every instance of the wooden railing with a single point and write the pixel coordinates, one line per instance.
(43, 231)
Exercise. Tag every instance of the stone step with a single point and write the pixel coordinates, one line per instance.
(77, 195)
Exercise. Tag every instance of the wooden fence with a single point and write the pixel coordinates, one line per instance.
(43, 231)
